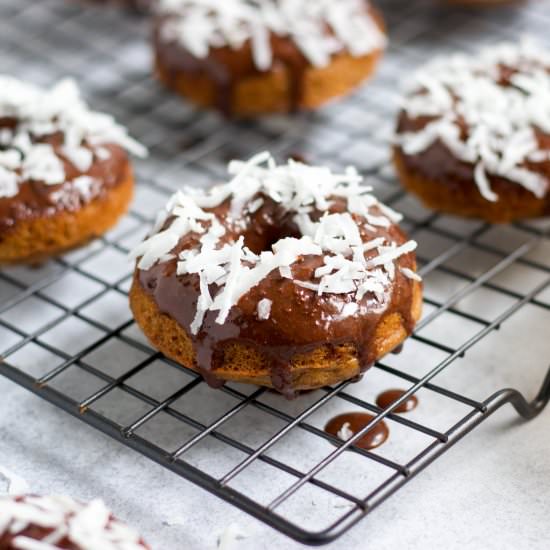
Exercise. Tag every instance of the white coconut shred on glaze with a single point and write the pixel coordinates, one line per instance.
(38, 113)
(500, 120)
(199, 25)
(301, 190)
(87, 526)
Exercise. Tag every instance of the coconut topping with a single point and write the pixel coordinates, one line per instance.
(199, 25)
(345, 433)
(351, 264)
(87, 526)
(33, 114)
(264, 309)
(486, 110)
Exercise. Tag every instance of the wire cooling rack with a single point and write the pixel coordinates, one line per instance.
(66, 332)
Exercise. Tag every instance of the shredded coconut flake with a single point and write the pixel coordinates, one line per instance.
(16, 485)
(200, 25)
(264, 309)
(228, 270)
(42, 113)
(345, 433)
(500, 120)
(410, 274)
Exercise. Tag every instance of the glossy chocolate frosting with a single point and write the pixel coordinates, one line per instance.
(300, 319)
(37, 199)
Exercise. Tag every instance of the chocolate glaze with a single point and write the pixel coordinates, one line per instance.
(226, 67)
(300, 320)
(38, 199)
(389, 397)
(375, 437)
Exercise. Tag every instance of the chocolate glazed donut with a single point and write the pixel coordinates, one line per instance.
(304, 329)
(473, 137)
(65, 176)
(226, 67)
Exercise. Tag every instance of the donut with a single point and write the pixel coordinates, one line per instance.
(473, 136)
(32, 522)
(250, 57)
(287, 276)
(65, 176)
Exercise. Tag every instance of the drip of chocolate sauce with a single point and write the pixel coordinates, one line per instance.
(375, 437)
(398, 349)
(387, 398)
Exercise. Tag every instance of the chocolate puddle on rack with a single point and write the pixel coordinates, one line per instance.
(342, 425)
(387, 398)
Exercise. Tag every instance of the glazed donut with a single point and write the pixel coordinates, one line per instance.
(473, 137)
(58, 522)
(288, 276)
(64, 172)
(248, 57)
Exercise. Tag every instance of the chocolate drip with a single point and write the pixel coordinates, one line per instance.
(375, 437)
(389, 397)
(300, 320)
(37, 199)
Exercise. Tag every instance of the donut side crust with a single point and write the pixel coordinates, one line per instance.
(325, 365)
(273, 92)
(34, 241)
(514, 203)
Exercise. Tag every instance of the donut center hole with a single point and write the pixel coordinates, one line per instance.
(262, 236)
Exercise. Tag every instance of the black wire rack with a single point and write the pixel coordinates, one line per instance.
(66, 333)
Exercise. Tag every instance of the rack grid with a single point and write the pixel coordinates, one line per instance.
(66, 332)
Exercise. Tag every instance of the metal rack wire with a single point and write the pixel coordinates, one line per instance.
(66, 333)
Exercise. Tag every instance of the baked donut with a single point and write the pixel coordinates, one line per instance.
(249, 57)
(58, 522)
(473, 137)
(288, 276)
(65, 177)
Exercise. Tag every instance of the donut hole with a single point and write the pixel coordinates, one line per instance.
(266, 231)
